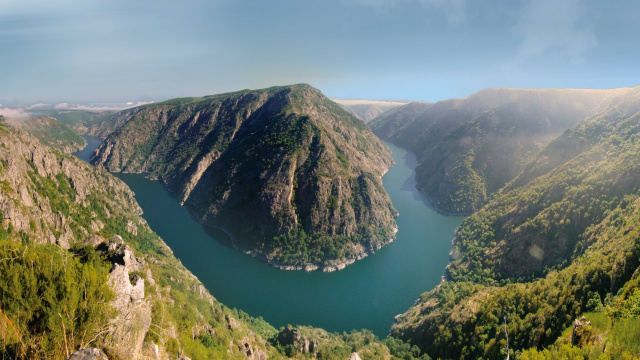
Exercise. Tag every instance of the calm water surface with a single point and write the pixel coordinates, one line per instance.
(367, 294)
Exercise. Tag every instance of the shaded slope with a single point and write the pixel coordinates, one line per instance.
(469, 148)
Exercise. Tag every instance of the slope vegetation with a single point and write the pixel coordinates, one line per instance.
(52, 132)
(469, 148)
(557, 241)
(80, 268)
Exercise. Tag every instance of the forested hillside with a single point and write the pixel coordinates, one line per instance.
(469, 148)
(558, 241)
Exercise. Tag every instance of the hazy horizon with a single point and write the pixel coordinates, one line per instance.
(418, 50)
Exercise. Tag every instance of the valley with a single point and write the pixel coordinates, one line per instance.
(563, 214)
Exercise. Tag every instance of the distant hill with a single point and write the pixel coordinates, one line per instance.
(292, 176)
(83, 122)
(50, 131)
(469, 148)
(367, 110)
(559, 241)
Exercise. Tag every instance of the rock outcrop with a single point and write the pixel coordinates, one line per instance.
(43, 191)
(134, 312)
(292, 336)
(88, 354)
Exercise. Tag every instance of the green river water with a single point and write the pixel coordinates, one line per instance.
(365, 295)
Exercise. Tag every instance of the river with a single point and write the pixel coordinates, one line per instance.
(365, 295)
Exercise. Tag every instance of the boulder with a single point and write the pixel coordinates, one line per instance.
(88, 354)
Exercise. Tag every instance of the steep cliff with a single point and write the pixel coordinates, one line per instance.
(469, 148)
(295, 179)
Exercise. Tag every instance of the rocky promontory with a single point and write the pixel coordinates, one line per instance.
(293, 178)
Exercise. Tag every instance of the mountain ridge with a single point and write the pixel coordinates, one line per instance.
(469, 148)
(304, 173)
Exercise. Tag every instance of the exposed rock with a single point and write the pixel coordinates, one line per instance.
(29, 168)
(249, 352)
(580, 335)
(132, 228)
(88, 354)
(354, 356)
(231, 322)
(122, 254)
(202, 291)
(201, 330)
(134, 313)
(292, 336)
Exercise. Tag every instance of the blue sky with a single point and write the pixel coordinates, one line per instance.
(127, 50)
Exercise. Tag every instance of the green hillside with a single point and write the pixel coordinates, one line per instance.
(558, 241)
(469, 148)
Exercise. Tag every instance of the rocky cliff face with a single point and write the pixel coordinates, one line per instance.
(132, 323)
(294, 178)
(469, 148)
(37, 184)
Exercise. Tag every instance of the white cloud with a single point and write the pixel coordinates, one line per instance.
(551, 28)
(38, 106)
(100, 107)
(12, 113)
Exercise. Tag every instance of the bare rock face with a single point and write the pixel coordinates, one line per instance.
(134, 313)
(354, 356)
(31, 172)
(231, 322)
(249, 352)
(88, 354)
(291, 336)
